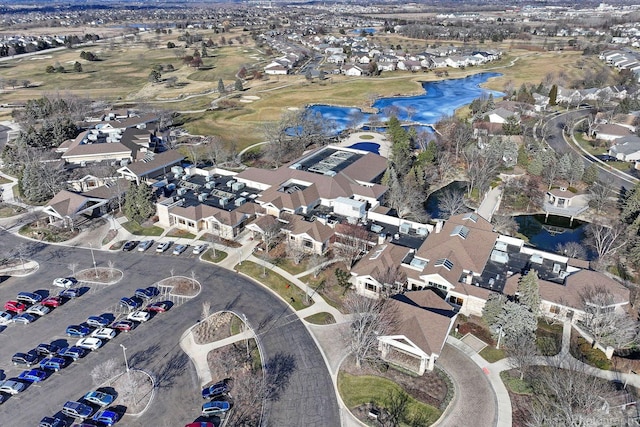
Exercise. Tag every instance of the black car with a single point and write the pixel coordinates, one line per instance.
(147, 293)
(131, 303)
(53, 422)
(29, 358)
(605, 158)
(130, 245)
(48, 349)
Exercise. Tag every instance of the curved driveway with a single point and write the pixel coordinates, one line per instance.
(308, 398)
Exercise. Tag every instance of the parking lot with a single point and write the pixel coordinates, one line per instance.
(154, 345)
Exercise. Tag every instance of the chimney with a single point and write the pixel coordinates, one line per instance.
(439, 226)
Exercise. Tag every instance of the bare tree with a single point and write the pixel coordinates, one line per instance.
(351, 241)
(572, 250)
(599, 194)
(481, 169)
(129, 386)
(105, 371)
(206, 310)
(607, 326)
(606, 239)
(214, 150)
(392, 279)
(370, 318)
(505, 224)
(315, 263)
(451, 202)
(112, 269)
(72, 266)
(295, 251)
(521, 350)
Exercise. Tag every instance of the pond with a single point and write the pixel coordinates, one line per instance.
(432, 201)
(548, 235)
(441, 98)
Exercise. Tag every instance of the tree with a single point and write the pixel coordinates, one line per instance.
(171, 45)
(221, 88)
(396, 406)
(606, 239)
(607, 326)
(77, 67)
(342, 277)
(238, 85)
(493, 308)
(392, 279)
(451, 202)
(138, 202)
(504, 224)
(351, 241)
(154, 76)
(105, 371)
(553, 95)
(529, 292)
(481, 169)
(572, 250)
(521, 350)
(370, 318)
(406, 194)
(599, 193)
(295, 251)
(511, 126)
(590, 174)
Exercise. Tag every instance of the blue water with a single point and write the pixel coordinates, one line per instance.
(366, 30)
(532, 226)
(440, 99)
(367, 146)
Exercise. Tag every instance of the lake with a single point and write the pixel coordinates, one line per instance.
(548, 235)
(441, 98)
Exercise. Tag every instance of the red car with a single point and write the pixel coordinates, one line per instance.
(123, 325)
(51, 302)
(200, 424)
(159, 307)
(15, 306)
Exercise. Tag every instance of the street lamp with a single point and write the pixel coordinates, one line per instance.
(499, 336)
(95, 267)
(124, 352)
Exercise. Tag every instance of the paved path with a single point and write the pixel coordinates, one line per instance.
(490, 203)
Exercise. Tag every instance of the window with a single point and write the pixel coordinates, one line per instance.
(461, 231)
(444, 262)
(438, 286)
(471, 217)
(554, 309)
(307, 243)
(370, 287)
(456, 300)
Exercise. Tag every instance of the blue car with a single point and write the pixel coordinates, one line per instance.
(215, 390)
(130, 303)
(53, 363)
(52, 422)
(97, 321)
(29, 297)
(78, 331)
(33, 375)
(147, 293)
(106, 417)
(73, 352)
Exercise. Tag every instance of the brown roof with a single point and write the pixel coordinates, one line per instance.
(67, 203)
(381, 258)
(314, 229)
(367, 168)
(77, 148)
(165, 159)
(423, 318)
(202, 211)
(470, 252)
(562, 193)
(472, 290)
(110, 191)
(612, 129)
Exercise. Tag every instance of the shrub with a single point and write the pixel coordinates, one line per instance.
(584, 351)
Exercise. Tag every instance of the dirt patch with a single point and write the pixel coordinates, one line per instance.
(135, 390)
(111, 234)
(99, 275)
(429, 388)
(214, 328)
(181, 286)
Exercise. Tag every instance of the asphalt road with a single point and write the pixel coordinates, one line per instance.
(558, 143)
(308, 398)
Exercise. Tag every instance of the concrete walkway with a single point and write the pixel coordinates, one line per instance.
(490, 203)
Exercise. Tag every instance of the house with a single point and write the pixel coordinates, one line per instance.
(408, 65)
(275, 68)
(424, 321)
(610, 132)
(310, 236)
(626, 149)
(500, 115)
(69, 207)
(151, 166)
(541, 102)
(353, 70)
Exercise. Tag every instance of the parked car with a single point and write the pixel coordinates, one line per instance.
(99, 398)
(201, 424)
(123, 325)
(159, 306)
(53, 363)
(64, 282)
(53, 301)
(214, 390)
(97, 321)
(106, 417)
(197, 250)
(89, 343)
(70, 293)
(15, 306)
(24, 318)
(139, 316)
(27, 359)
(12, 387)
(104, 333)
(606, 157)
(48, 349)
(179, 249)
(147, 293)
(215, 407)
(53, 422)
(130, 245)
(38, 309)
(3, 397)
(73, 352)
(29, 297)
(33, 375)
(77, 410)
(5, 318)
(130, 303)
(144, 245)
(78, 330)
(163, 246)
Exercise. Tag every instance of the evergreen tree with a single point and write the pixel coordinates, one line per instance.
(523, 157)
(221, 87)
(553, 95)
(238, 85)
(590, 174)
(529, 292)
(564, 166)
(77, 67)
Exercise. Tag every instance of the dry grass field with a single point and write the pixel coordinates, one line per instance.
(122, 73)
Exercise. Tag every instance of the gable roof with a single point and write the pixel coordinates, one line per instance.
(424, 318)
(165, 159)
(314, 229)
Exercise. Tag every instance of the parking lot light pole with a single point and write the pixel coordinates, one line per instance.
(95, 267)
(124, 352)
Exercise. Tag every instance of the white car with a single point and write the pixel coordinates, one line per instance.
(144, 245)
(163, 246)
(39, 309)
(12, 387)
(179, 249)
(197, 250)
(63, 282)
(103, 333)
(5, 318)
(89, 343)
(139, 316)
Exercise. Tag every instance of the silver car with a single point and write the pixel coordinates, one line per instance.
(12, 387)
(144, 245)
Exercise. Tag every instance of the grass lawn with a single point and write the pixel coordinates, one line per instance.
(289, 266)
(208, 255)
(492, 354)
(180, 234)
(290, 293)
(365, 137)
(359, 390)
(321, 319)
(515, 384)
(4, 180)
(138, 230)
(7, 210)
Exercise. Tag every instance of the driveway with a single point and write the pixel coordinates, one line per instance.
(474, 400)
(308, 399)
